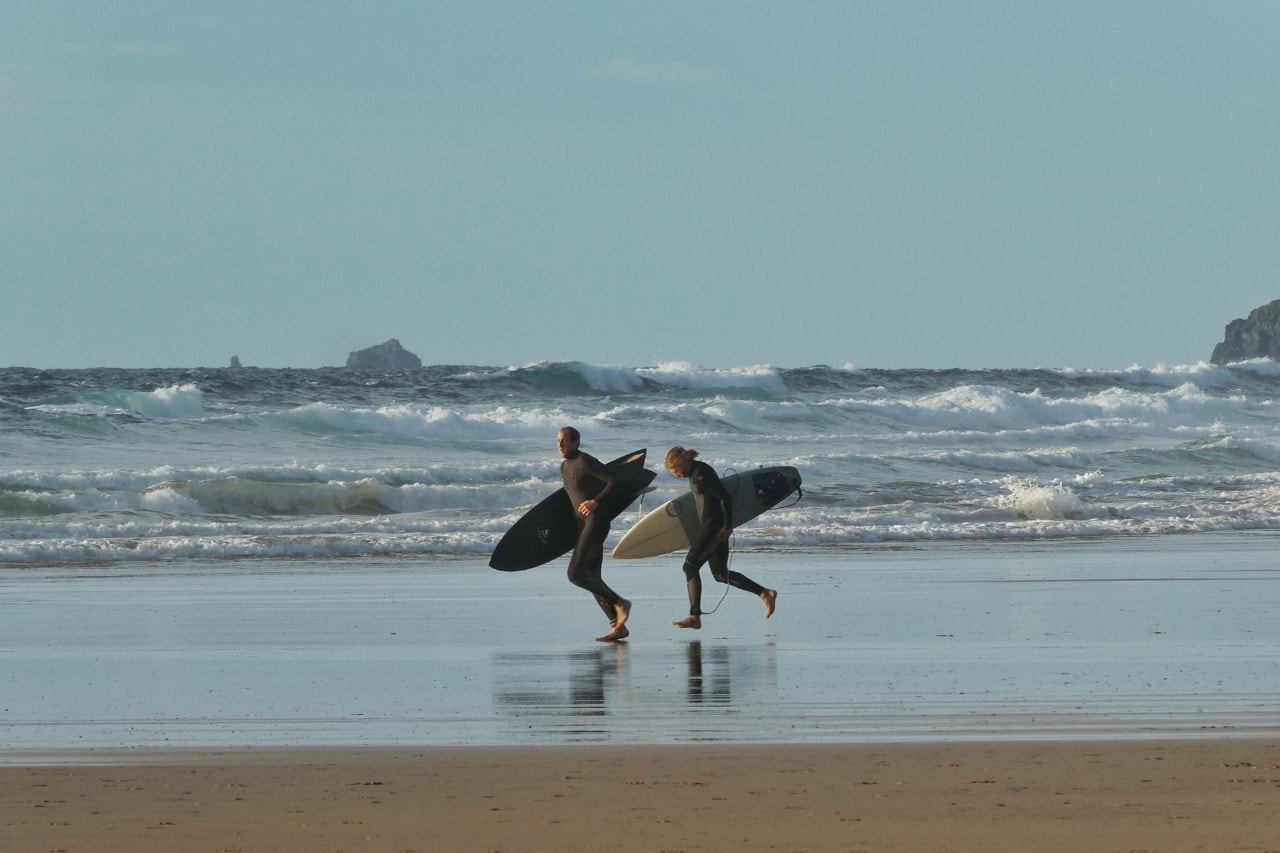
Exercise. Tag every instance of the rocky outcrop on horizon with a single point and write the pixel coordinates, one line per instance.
(1257, 336)
(385, 356)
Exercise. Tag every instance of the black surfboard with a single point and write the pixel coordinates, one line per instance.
(549, 529)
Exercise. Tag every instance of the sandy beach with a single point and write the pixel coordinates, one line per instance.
(1114, 696)
(1078, 796)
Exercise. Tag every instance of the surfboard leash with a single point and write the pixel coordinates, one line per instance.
(729, 564)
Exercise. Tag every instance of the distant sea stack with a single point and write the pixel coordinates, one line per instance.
(388, 356)
(1258, 336)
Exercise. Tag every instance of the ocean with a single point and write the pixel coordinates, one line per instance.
(112, 467)
(241, 557)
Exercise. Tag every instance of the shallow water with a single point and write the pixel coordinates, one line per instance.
(1133, 637)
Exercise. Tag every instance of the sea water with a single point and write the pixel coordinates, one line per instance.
(119, 467)
(247, 556)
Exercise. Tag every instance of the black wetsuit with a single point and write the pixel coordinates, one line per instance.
(585, 478)
(717, 514)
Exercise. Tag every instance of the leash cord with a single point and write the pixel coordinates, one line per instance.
(728, 568)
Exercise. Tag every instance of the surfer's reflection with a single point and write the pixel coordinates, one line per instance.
(596, 674)
(709, 678)
(529, 680)
(595, 682)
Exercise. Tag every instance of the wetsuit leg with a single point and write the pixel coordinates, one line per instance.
(610, 612)
(720, 571)
(701, 549)
(693, 583)
(587, 560)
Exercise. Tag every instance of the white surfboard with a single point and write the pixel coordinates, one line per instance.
(672, 526)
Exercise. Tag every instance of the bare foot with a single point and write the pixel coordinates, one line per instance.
(770, 599)
(624, 612)
(620, 632)
(689, 622)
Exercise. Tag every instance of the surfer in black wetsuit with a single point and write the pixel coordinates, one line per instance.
(588, 483)
(712, 542)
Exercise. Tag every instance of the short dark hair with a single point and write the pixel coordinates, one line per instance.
(573, 434)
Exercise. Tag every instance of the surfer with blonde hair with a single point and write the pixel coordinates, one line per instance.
(712, 541)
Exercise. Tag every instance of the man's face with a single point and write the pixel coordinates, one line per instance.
(566, 444)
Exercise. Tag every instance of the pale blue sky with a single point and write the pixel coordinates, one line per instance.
(889, 184)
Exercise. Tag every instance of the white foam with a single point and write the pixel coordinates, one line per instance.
(415, 421)
(1041, 501)
(986, 408)
(176, 402)
(685, 375)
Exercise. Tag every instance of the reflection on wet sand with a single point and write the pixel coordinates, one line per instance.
(712, 687)
(623, 682)
(920, 644)
(577, 682)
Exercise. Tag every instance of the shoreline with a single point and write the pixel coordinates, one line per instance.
(1113, 696)
(1116, 640)
(1168, 795)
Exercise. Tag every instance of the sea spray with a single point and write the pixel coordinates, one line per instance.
(1041, 501)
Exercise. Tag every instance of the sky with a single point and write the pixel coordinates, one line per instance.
(868, 184)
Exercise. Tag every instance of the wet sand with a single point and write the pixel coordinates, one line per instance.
(1100, 696)
(1137, 638)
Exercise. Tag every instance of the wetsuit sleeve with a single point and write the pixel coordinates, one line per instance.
(595, 468)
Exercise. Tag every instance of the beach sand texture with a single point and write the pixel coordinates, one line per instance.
(1069, 796)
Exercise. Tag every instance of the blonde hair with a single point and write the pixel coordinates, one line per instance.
(681, 456)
